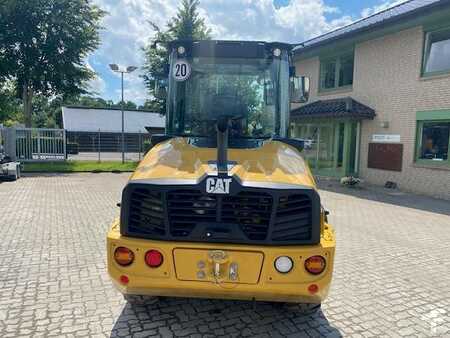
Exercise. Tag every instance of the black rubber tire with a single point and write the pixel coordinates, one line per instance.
(136, 300)
(13, 178)
(303, 308)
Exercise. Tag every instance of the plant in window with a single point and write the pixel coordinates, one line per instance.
(435, 141)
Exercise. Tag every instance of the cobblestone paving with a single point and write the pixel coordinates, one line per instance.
(392, 272)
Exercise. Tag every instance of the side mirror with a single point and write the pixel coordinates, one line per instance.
(299, 89)
(292, 71)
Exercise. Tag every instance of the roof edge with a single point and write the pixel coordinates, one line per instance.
(373, 27)
(112, 109)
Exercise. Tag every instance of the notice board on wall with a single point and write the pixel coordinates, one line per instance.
(386, 156)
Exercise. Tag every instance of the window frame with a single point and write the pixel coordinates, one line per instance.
(426, 52)
(430, 117)
(337, 59)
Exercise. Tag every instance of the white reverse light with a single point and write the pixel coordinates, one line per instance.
(284, 264)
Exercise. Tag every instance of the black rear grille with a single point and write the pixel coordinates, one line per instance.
(246, 215)
(251, 211)
(293, 218)
(187, 208)
(146, 213)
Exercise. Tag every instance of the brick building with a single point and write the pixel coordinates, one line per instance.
(380, 98)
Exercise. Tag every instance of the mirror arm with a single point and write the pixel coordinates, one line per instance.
(292, 71)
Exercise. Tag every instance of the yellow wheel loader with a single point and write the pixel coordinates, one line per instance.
(223, 205)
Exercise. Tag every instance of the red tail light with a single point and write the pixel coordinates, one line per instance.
(154, 258)
(124, 279)
(313, 288)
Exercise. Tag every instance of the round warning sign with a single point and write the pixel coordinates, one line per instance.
(181, 70)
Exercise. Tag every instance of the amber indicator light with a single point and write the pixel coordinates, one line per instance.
(315, 265)
(123, 256)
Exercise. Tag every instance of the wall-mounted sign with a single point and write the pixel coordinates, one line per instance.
(386, 156)
(386, 138)
(181, 70)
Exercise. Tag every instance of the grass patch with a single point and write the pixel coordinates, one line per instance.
(78, 167)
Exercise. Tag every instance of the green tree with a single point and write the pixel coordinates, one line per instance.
(186, 25)
(43, 47)
(47, 113)
(149, 105)
(129, 105)
(98, 102)
(92, 102)
(10, 108)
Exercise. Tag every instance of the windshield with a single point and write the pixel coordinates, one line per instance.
(248, 91)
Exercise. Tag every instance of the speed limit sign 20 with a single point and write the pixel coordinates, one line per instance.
(181, 70)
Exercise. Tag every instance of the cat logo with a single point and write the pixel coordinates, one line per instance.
(218, 185)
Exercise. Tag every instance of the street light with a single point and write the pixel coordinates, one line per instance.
(115, 68)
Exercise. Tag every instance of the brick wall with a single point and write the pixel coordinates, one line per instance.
(387, 78)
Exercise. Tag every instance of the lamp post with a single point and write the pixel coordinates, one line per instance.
(115, 68)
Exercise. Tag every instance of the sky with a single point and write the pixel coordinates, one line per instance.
(126, 30)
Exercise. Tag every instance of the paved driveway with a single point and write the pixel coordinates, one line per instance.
(392, 272)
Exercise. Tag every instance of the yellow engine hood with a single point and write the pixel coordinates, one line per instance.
(274, 162)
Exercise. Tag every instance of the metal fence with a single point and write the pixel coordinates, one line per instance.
(37, 144)
(106, 146)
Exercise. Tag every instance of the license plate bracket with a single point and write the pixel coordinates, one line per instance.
(218, 266)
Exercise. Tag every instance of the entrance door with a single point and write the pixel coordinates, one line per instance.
(309, 133)
(354, 148)
(331, 147)
(326, 151)
(340, 132)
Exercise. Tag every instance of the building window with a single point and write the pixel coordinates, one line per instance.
(433, 137)
(329, 75)
(437, 52)
(337, 72)
(435, 141)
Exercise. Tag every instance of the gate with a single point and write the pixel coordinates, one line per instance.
(8, 142)
(38, 144)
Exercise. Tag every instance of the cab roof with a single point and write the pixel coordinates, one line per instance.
(228, 48)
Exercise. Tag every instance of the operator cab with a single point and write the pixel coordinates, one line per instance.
(247, 87)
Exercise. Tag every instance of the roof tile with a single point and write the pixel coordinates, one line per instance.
(336, 108)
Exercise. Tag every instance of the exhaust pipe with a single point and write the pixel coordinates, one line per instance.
(222, 145)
